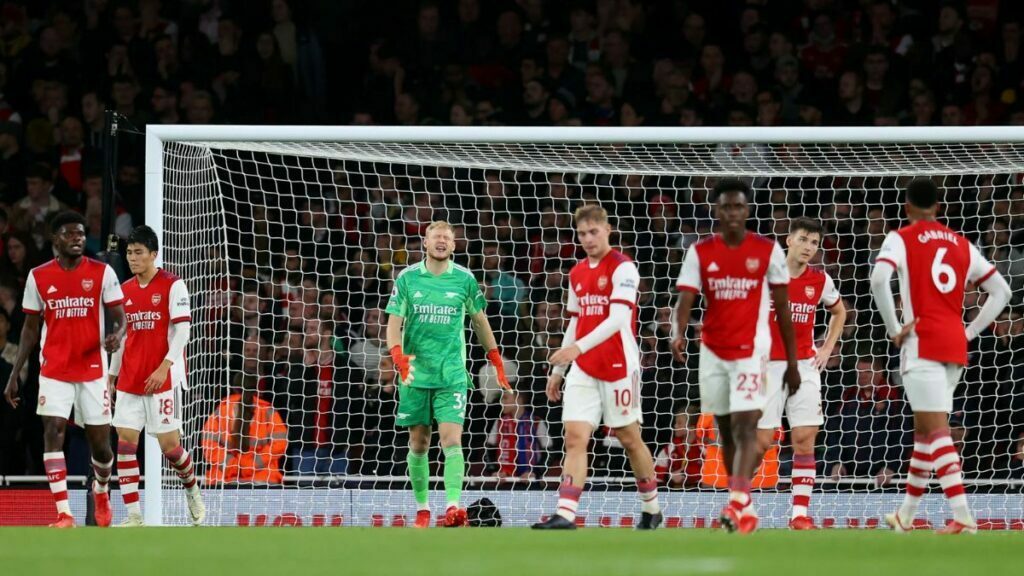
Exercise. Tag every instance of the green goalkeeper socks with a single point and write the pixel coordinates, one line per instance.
(454, 470)
(419, 476)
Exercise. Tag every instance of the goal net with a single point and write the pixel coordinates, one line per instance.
(290, 240)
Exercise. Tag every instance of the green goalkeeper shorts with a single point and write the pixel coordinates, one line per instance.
(424, 406)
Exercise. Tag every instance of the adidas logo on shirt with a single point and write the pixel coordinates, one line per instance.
(128, 303)
(579, 287)
(418, 294)
(51, 290)
(713, 267)
(450, 294)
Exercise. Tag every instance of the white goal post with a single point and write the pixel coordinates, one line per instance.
(211, 191)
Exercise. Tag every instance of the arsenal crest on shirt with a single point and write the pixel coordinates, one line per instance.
(156, 299)
(753, 264)
(602, 282)
(809, 291)
(87, 285)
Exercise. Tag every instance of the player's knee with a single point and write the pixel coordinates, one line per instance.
(448, 441)
(576, 442)
(168, 442)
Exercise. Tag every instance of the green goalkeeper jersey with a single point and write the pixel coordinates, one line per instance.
(435, 309)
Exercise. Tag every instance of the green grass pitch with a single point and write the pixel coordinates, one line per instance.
(494, 552)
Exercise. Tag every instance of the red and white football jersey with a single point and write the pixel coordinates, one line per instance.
(150, 311)
(734, 281)
(69, 300)
(934, 265)
(806, 291)
(592, 291)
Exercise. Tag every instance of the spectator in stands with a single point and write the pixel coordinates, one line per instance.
(866, 438)
(244, 440)
(508, 290)
(32, 213)
(12, 163)
(369, 346)
(678, 464)
(519, 439)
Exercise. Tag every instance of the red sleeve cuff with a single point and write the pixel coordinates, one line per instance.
(985, 277)
(685, 288)
(626, 302)
(572, 314)
(833, 305)
(181, 319)
(30, 311)
(887, 261)
(114, 303)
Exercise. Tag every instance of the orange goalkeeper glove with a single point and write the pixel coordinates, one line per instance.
(494, 356)
(403, 363)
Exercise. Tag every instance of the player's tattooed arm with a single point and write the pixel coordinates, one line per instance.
(27, 345)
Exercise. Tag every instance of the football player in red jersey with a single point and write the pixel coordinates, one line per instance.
(603, 385)
(809, 287)
(734, 270)
(150, 372)
(67, 296)
(934, 265)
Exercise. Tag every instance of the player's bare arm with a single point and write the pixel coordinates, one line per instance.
(836, 322)
(116, 319)
(780, 297)
(29, 340)
(881, 290)
(484, 333)
(684, 307)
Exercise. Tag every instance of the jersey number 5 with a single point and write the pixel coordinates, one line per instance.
(943, 275)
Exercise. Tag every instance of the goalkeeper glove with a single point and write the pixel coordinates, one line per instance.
(403, 363)
(494, 356)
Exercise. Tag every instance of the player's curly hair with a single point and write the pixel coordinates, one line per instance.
(64, 218)
(922, 193)
(727, 185)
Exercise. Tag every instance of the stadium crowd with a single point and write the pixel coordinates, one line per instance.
(304, 295)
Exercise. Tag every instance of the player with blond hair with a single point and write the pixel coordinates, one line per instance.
(427, 341)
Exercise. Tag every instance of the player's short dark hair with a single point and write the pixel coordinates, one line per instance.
(64, 218)
(727, 185)
(809, 225)
(922, 193)
(146, 236)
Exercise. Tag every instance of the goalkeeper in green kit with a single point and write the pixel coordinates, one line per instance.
(427, 341)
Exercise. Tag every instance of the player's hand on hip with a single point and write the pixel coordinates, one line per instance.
(679, 350)
(900, 338)
(565, 356)
(792, 378)
(111, 343)
(403, 364)
(554, 388)
(11, 390)
(494, 357)
(111, 386)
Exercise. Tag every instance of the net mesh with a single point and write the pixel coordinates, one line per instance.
(290, 251)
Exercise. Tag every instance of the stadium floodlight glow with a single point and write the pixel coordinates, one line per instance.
(230, 203)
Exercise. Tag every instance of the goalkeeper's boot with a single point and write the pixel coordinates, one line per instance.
(955, 527)
(649, 521)
(422, 519)
(897, 525)
(802, 523)
(748, 521)
(132, 521)
(729, 519)
(102, 512)
(555, 522)
(196, 507)
(455, 517)
(64, 520)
